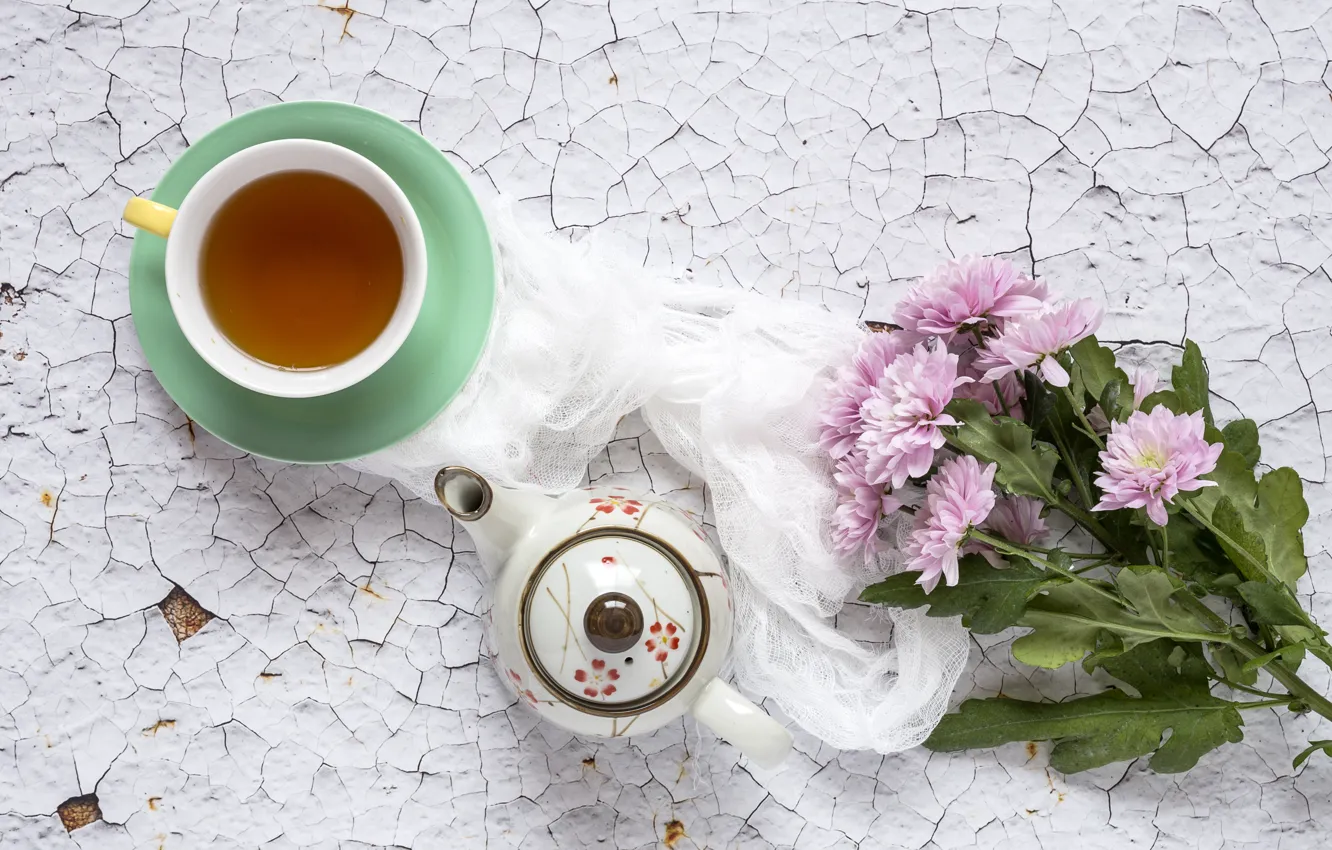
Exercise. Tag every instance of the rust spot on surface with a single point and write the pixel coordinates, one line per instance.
(590, 763)
(614, 80)
(189, 426)
(78, 812)
(152, 803)
(158, 727)
(267, 675)
(7, 295)
(367, 589)
(1031, 750)
(183, 614)
(347, 13)
(20, 355)
(674, 832)
(52, 501)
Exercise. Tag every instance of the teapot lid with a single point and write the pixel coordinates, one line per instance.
(614, 621)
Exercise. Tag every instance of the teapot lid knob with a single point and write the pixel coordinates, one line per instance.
(613, 622)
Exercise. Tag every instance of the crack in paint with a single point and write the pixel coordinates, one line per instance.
(1173, 161)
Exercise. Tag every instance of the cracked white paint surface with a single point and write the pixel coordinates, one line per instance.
(1172, 159)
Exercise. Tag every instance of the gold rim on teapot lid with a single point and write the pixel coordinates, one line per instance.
(613, 622)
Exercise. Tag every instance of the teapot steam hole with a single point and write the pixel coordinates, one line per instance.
(463, 493)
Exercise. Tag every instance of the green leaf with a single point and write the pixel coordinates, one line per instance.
(1245, 548)
(1111, 726)
(989, 599)
(1108, 645)
(1232, 665)
(1117, 399)
(1025, 469)
(1283, 652)
(1195, 554)
(1151, 592)
(1126, 535)
(1314, 746)
(1258, 523)
(1067, 620)
(1241, 436)
(1163, 398)
(1077, 453)
(1163, 667)
(1272, 604)
(1189, 379)
(1095, 369)
(1039, 400)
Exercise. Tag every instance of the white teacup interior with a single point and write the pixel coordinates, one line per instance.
(185, 248)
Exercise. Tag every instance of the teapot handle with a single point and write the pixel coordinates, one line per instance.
(722, 709)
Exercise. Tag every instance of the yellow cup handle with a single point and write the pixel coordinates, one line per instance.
(150, 216)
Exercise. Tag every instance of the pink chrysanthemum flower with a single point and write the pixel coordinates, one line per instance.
(1018, 520)
(904, 413)
(957, 499)
(1145, 382)
(987, 393)
(840, 424)
(861, 505)
(973, 291)
(1150, 458)
(1036, 341)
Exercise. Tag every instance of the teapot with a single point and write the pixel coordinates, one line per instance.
(611, 613)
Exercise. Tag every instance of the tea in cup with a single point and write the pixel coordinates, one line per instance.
(294, 268)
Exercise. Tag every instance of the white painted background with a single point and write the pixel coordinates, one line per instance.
(1171, 159)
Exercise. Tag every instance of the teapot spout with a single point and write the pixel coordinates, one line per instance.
(495, 517)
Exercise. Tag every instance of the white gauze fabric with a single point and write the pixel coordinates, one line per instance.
(731, 382)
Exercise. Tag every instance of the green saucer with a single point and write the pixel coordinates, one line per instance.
(424, 375)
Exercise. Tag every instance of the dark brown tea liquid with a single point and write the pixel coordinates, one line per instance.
(301, 269)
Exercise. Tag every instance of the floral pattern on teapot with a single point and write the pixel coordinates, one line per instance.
(611, 614)
(643, 578)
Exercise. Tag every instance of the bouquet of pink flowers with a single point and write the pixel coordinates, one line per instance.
(1107, 516)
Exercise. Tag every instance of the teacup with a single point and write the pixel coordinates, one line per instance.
(186, 229)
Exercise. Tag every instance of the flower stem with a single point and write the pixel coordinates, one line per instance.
(1009, 549)
(1077, 556)
(1082, 417)
(1207, 615)
(1084, 490)
(1248, 690)
(1165, 547)
(998, 393)
(1254, 569)
(1251, 568)
(1298, 688)
(1265, 703)
(1088, 521)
